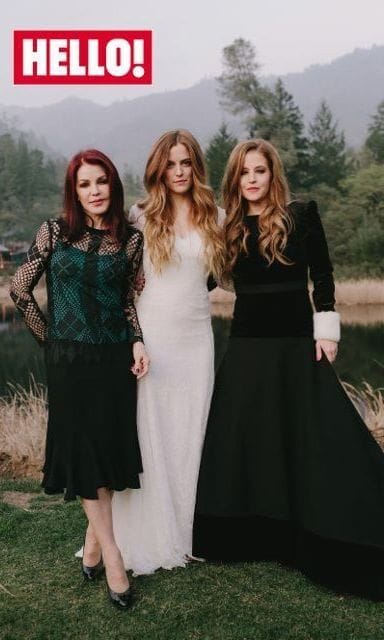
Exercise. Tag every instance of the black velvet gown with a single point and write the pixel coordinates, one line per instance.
(289, 470)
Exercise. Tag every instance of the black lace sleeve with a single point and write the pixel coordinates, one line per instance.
(320, 266)
(26, 278)
(134, 249)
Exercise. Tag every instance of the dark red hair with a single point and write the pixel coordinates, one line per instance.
(74, 216)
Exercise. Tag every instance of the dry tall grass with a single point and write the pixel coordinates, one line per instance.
(370, 404)
(23, 418)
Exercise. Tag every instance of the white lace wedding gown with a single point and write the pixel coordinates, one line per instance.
(153, 525)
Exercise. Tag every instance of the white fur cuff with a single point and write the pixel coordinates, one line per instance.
(326, 325)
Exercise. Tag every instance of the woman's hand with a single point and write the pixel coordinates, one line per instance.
(139, 282)
(329, 347)
(141, 361)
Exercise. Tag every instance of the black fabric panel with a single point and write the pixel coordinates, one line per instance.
(342, 567)
(92, 437)
(285, 443)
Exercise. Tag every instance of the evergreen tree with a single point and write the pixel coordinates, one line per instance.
(29, 187)
(282, 124)
(8, 167)
(355, 224)
(133, 187)
(239, 85)
(375, 140)
(217, 154)
(269, 114)
(327, 162)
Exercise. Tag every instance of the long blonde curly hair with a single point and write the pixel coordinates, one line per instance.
(275, 221)
(157, 206)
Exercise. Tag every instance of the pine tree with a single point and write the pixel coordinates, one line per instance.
(282, 124)
(29, 187)
(239, 85)
(133, 187)
(269, 114)
(327, 162)
(355, 223)
(217, 154)
(375, 140)
(8, 168)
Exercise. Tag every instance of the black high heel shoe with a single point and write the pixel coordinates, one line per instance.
(121, 600)
(92, 573)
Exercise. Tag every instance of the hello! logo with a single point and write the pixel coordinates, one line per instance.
(82, 57)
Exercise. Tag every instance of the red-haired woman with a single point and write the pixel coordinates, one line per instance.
(92, 340)
(289, 470)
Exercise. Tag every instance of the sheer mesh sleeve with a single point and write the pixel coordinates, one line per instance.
(320, 266)
(134, 249)
(27, 277)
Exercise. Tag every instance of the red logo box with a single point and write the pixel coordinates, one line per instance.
(82, 57)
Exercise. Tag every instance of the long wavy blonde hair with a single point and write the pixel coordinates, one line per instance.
(275, 221)
(159, 215)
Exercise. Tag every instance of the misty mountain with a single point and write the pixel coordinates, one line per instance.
(353, 85)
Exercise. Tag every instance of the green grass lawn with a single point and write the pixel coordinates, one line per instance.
(43, 595)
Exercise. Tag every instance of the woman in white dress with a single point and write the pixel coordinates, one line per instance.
(183, 244)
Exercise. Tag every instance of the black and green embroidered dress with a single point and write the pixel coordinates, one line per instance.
(87, 335)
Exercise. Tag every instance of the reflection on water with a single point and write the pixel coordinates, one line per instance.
(361, 353)
(360, 357)
(359, 314)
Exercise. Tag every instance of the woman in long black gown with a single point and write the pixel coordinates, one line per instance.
(289, 470)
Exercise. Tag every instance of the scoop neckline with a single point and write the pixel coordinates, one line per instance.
(190, 233)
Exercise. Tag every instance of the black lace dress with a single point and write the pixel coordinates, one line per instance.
(289, 470)
(87, 335)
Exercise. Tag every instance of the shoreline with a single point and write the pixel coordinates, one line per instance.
(357, 314)
(348, 293)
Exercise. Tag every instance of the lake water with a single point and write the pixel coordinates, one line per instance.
(361, 352)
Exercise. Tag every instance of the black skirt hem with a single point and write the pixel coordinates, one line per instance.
(70, 494)
(92, 434)
(343, 567)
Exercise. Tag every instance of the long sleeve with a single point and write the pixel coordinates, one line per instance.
(326, 321)
(26, 278)
(136, 218)
(320, 266)
(135, 256)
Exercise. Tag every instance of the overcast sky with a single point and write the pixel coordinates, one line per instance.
(289, 35)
